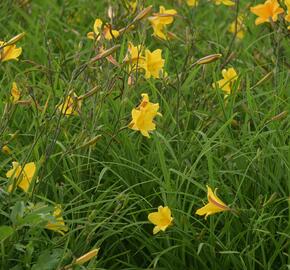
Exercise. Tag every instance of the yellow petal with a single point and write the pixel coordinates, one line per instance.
(156, 229)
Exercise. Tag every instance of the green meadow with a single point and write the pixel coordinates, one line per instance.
(86, 160)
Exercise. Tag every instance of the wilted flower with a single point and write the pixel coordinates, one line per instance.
(71, 105)
(6, 150)
(15, 93)
(229, 77)
(22, 175)
(238, 27)
(161, 219)
(160, 20)
(215, 205)
(107, 31)
(267, 12)
(143, 115)
(58, 225)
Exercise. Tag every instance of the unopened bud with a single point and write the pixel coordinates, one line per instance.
(15, 39)
(208, 59)
(105, 53)
(87, 257)
(143, 13)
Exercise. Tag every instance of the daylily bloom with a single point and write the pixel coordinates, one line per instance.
(87, 257)
(134, 56)
(229, 77)
(224, 2)
(215, 205)
(161, 219)
(143, 115)
(71, 105)
(15, 93)
(287, 17)
(58, 225)
(9, 52)
(240, 27)
(107, 31)
(267, 12)
(192, 3)
(22, 175)
(160, 20)
(153, 64)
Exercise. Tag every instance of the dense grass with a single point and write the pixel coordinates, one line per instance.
(107, 190)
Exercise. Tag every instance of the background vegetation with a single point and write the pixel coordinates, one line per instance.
(107, 190)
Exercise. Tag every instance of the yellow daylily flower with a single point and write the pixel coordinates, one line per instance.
(71, 105)
(240, 27)
(110, 33)
(229, 77)
(87, 257)
(224, 2)
(160, 20)
(58, 225)
(107, 31)
(23, 175)
(143, 116)
(215, 205)
(154, 64)
(287, 16)
(9, 52)
(97, 29)
(192, 3)
(267, 12)
(134, 56)
(161, 219)
(15, 93)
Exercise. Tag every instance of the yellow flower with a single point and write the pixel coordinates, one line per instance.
(240, 27)
(160, 20)
(58, 225)
(229, 77)
(23, 175)
(134, 56)
(192, 3)
(6, 150)
(9, 52)
(87, 257)
(267, 12)
(161, 219)
(215, 205)
(154, 64)
(110, 33)
(143, 115)
(132, 5)
(287, 17)
(97, 28)
(107, 31)
(15, 93)
(224, 2)
(71, 105)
